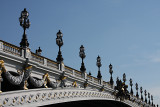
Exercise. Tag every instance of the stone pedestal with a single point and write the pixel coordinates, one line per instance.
(61, 66)
(84, 75)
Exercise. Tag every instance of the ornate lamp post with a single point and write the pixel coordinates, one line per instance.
(152, 99)
(82, 55)
(137, 90)
(25, 23)
(145, 93)
(99, 76)
(131, 84)
(141, 90)
(111, 72)
(149, 98)
(59, 42)
(124, 77)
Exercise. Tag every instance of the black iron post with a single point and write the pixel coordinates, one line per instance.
(145, 93)
(141, 91)
(111, 72)
(25, 23)
(152, 99)
(82, 55)
(59, 42)
(149, 98)
(131, 84)
(99, 76)
(137, 90)
(124, 77)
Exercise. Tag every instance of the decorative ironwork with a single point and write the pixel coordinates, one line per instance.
(145, 94)
(141, 90)
(111, 72)
(25, 23)
(122, 90)
(59, 42)
(99, 76)
(152, 99)
(131, 84)
(149, 102)
(124, 77)
(137, 90)
(82, 55)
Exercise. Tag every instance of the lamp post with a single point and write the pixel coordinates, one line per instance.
(111, 72)
(82, 55)
(124, 77)
(141, 90)
(145, 94)
(131, 84)
(59, 42)
(152, 99)
(25, 23)
(149, 98)
(137, 90)
(99, 76)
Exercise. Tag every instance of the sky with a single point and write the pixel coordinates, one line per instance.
(124, 33)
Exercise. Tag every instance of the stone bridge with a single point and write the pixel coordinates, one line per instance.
(29, 79)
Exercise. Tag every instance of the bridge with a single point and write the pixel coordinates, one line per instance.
(29, 79)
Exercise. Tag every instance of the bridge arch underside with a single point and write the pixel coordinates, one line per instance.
(89, 103)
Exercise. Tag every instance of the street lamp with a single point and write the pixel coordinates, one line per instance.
(82, 55)
(124, 77)
(149, 98)
(99, 76)
(25, 23)
(131, 84)
(137, 90)
(111, 72)
(145, 93)
(152, 99)
(141, 90)
(59, 42)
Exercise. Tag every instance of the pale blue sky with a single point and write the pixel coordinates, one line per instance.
(123, 32)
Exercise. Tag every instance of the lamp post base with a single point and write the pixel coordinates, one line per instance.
(59, 57)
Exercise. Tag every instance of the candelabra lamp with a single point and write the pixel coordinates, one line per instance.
(99, 76)
(141, 91)
(149, 98)
(111, 72)
(152, 99)
(137, 90)
(82, 55)
(124, 77)
(59, 42)
(131, 84)
(145, 94)
(25, 23)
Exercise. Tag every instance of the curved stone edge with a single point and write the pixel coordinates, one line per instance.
(40, 97)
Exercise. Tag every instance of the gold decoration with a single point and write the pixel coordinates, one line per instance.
(2, 66)
(29, 67)
(0, 92)
(74, 84)
(64, 78)
(14, 101)
(4, 102)
(45, 78)
(22, 99)
(25, 85)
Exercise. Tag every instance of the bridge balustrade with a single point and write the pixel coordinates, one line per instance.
(9, 48)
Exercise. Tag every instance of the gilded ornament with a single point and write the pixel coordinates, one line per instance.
(74, 84)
